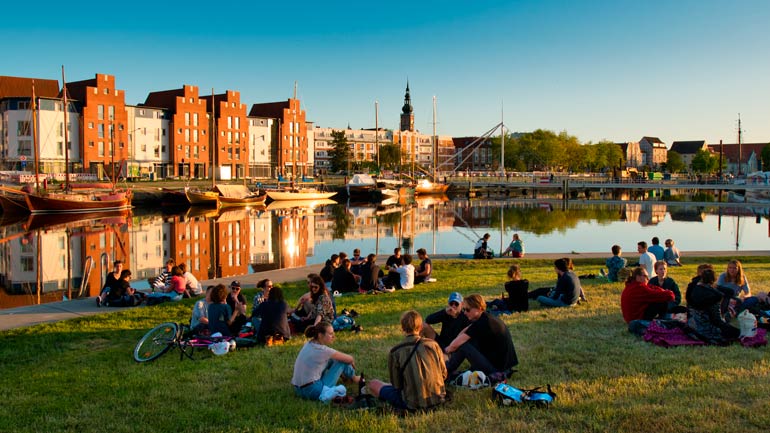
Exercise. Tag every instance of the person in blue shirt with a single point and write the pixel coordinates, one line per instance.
(567, 290)
(656, 249)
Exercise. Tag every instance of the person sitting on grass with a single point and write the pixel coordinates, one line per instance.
(162, 283)
(517, 289)
(567, 290)
(221, 317)
(672, 255)
(199, 321)
(327, 273)
(344, 281)
(661, 279)
(451, 319)
(235, 298)
(481, 250)
(111, 282)
(417, 370)
(174, 291)
(370, 274)
(704, 302)
(274, 323)
(486, 343)
(401, 277)
(395, 260)
(192, 285)
(646, 258)
(614, 264)
(356, 262)
(515, 248)
(641, 302)
(318, 367)
(423, 271)
(655, 249)
(315, 306)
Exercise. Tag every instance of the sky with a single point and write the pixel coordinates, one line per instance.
(599, 70)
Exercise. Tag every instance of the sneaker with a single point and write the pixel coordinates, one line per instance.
(98, 301)
(604, 274)
(345, 312)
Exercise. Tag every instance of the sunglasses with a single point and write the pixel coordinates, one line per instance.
(454, 304)
(467, 309)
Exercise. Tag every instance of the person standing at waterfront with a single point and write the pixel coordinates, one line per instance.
(646, 259)
(671, 255)
(515, 248)
(567, 290)
(656, 249)
(424, 270)
(417, 370)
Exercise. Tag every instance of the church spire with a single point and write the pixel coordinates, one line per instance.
(407, 111)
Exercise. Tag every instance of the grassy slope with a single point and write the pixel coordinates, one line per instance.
(78, 375)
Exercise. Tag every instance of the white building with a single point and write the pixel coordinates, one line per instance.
(148, 140)
(261, 134)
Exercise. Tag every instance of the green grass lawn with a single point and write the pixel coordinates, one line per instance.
(79, 375)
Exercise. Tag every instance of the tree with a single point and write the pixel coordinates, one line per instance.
(389, 155)
(675, 164)
(704, 162)
(340, 154)
(765, 156)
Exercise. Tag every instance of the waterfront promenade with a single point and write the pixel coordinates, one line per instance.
(53, 312)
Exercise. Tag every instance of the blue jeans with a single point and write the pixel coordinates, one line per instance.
(329, 378)
(551, 302)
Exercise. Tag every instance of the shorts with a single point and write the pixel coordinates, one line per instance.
(390, 394)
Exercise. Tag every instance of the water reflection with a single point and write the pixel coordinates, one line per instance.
(51, 258)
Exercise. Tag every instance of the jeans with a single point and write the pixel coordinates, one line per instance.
(329, 378)
(473, 355)
(551, 302)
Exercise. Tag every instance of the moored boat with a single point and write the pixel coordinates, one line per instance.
(361, 185)
(78, 203)
(427, 187)
(299, 194)
(201, 198)
(238, 196)
(12, 201)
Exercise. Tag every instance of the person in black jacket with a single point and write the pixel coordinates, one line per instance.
(451, 319)
(703, 301)
(517, 289)
(344, 281)
(370, 274)
(327, 273)
(275, 322)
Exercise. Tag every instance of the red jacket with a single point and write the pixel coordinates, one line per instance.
(636, 297)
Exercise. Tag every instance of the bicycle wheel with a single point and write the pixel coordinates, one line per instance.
(156, 342)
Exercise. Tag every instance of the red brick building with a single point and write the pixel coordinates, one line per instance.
(232, 128)
(103, 124)
(232, 232)
(191, 243)
(292, 142)
(189, 153)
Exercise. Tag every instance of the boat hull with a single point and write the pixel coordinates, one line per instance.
(77, 203)
(299, 195)
(227, 202)
(202, 198)
(14, 204)
(435, 188)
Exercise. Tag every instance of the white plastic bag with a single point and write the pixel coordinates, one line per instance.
(748, 323)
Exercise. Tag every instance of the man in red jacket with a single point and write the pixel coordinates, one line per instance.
(641, 301)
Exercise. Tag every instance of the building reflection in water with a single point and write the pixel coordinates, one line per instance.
(74, 257)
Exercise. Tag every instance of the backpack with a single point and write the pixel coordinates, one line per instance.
(507, 395)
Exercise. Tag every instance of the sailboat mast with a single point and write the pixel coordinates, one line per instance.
(213, 141)
(294, 144)
(435, 141)
(740, 149)
(66, 134)
(502, 140)
(377, 133)
(34, 138)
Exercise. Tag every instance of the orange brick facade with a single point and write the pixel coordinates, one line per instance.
(191, 243)
(189, 154)
(232, 232)
(232, 130)
(293, 138)
(103, 123)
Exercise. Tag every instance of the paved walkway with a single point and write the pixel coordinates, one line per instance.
(55, 311)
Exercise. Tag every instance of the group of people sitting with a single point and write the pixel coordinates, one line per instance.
(713, 302)
(363, 275)
(482, 250)
(647, 257)
(174, 283)
(421, 364)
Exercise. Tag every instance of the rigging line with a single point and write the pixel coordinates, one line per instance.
(474, 145)
(468, 226)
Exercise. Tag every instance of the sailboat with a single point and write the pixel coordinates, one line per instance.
(70, 202)
(426, 186)
(294, 192)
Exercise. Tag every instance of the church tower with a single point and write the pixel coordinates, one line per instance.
(407, 112)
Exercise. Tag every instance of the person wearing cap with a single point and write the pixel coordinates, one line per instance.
(451, 320)
(423, 271)
(235, 298)
(417, 370)
(486, 343)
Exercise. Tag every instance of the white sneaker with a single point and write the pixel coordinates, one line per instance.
(329, 393)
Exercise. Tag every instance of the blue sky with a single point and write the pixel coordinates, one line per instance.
(616, 70)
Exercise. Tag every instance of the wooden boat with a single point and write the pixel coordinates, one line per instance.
(71, 220)
(201, 198)
(361, 185)
(238, 196)
(13, 201)
(426, 187)
(78, 203)
(299, 194)
(304, 204)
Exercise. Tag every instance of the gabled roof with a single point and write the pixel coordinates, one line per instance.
(164, 98)
(652, 140)
(688, 147)
(21, 87)
(77, 89)
(731, 150)
(272, 110)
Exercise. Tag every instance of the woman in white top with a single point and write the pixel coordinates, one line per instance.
(318, 366)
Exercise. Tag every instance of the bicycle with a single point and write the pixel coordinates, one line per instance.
(162, 338)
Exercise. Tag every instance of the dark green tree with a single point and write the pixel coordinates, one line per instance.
(704, 162)
(675, 163)
(340, 154)
(765, 156)
(389, 156)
